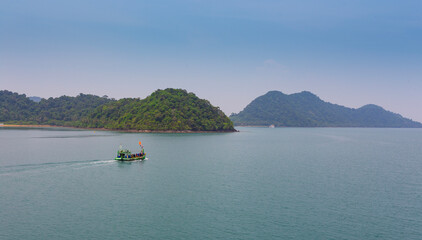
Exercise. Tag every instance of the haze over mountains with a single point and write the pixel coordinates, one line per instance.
(305, 109)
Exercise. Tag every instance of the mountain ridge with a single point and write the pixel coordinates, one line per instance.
(305, 109)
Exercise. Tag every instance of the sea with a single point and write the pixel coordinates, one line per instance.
(258, 183)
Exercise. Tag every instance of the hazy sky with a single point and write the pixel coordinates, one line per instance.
(350, 52)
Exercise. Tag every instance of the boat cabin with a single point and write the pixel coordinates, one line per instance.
(123, 153)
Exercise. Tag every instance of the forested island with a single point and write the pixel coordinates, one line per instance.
(178, 110)
(163, 110)
(305, 109)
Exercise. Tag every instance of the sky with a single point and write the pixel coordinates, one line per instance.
(348, 52)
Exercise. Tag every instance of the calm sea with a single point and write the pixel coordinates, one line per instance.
(259, 183)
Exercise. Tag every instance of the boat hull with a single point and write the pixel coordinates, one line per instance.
(130, 159)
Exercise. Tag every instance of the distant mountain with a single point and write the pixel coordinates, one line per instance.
(305, 109)
(35, 99)
(169, 109)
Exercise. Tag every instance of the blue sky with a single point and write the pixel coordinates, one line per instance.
(347, 52)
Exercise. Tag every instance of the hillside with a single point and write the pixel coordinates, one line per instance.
(163, 110)
(169, 109)
(14, 106)
(61, 111)
(307, 110)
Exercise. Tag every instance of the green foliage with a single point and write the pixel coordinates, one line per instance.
(169, 109)
(15, 107)
(307, 110)
(62, 111)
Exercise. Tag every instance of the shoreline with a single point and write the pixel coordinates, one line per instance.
(114, 130)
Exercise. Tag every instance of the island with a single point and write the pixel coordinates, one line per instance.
(305, 109)
(168, 110)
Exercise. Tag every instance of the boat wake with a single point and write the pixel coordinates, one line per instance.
(46, 167)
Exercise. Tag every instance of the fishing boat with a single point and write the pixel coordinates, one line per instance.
(126, 155)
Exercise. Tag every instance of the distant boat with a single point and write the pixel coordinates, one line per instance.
(272, 126)
(126, 155)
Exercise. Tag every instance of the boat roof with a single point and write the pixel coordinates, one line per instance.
(123, 151)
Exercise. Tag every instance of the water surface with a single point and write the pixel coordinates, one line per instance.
(259, 183)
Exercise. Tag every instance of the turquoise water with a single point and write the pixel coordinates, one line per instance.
(259, 183)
